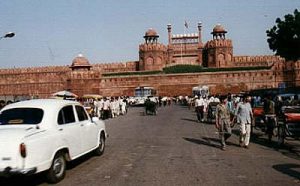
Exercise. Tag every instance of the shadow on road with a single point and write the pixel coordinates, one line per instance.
(32, 180)
(188, 119)
(289, 149)
(203, 142)
(288, 169)
(218, 141)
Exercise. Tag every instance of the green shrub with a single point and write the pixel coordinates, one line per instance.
(132, 73)
(186, 69)
(197, 69)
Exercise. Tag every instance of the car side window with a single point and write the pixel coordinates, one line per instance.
(66, 115)
(81, 113)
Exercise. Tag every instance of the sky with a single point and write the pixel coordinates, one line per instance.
(54, 32)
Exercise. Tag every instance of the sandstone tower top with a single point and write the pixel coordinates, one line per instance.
(151, 33)
(219, 29)
(80, 62)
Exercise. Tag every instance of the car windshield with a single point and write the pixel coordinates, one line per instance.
(17, 116)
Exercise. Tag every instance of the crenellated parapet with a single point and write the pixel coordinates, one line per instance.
(152, 47)
(265, 60)
(218, 43)
(35, 70)
(253, 64)
(256, 59)
(115, 67)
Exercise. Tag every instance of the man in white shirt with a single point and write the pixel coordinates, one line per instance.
(199, 106)
(244, 118)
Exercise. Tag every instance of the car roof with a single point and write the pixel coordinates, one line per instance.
(41, 103)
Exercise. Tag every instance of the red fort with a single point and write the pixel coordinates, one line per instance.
(82, 77)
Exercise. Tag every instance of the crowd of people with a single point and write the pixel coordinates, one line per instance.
(105, 107)
(229, 109)
(238, 109)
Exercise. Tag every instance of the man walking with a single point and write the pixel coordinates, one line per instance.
(199, 106)
(270, 116)
(223, 121)
(244, 118)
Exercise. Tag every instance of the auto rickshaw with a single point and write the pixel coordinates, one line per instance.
(150, 107)
(288, 124)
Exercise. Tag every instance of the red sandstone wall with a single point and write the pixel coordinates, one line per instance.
(39, 81)
(44, 81)
(181, 84)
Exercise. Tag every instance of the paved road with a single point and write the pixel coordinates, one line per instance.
(173, 149)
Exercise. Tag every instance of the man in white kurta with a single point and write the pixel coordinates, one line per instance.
(244, 118)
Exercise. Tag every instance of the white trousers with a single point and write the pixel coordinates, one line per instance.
(245, 130)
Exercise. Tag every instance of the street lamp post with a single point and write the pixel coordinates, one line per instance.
(8, 35)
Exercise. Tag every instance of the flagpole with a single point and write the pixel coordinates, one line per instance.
(184, 26)
(181, 43)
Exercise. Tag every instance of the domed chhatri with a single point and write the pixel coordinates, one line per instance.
(219, 29)
(151, 33)
(218, 32)
(151, 36)
(80, 62)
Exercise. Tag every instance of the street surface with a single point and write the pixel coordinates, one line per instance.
(172, 148)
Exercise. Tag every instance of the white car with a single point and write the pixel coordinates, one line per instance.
(42, 135)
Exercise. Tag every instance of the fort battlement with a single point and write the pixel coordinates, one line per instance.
(218, 43)
(152, 47)
(264, 60)
(115, 67)
(34, 70)
(254, 59)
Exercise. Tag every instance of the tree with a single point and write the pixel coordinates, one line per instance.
(284, 38)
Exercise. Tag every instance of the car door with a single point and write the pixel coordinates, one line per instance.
(88, 129)
(70, 130)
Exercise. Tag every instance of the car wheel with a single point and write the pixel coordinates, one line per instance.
(280, 136)
(57, 170)
(100, 149)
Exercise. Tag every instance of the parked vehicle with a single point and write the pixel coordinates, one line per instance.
(202, 91)
(259, 117)
(288, 123)
(42, 135)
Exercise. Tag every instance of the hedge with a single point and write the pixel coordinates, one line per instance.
(197, 69)
(133, 73)
(186, 69)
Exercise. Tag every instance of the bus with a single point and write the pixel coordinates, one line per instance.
(200, 91)
(144, 91)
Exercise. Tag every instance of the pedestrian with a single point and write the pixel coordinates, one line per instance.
(270, 116)
(223, 121)
(199, 106)
(123, 106)
(106, 108)
(244, 117)
(100, 108)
